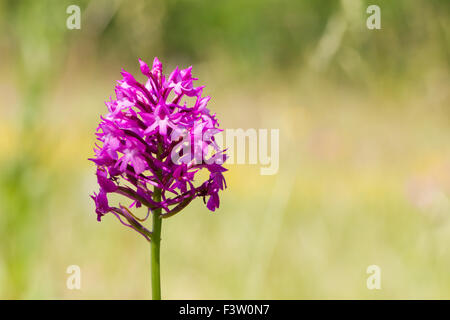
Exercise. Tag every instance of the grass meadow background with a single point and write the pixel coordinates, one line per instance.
(364, 177)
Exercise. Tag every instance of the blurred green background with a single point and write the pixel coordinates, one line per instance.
(364, 119)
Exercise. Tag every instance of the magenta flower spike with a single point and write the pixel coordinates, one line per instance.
(152, 147)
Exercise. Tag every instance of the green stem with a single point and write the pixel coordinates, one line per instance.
(155, 246)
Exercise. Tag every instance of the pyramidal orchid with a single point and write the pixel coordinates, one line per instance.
(155, 139)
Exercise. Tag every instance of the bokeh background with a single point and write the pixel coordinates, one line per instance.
(364, 119)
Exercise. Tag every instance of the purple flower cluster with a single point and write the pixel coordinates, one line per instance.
(140, 151)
